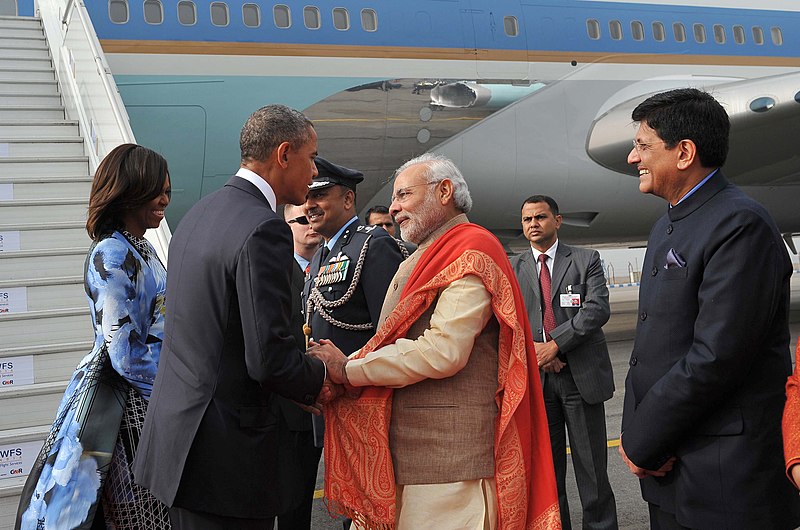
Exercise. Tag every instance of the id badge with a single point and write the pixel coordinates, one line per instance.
(571, 300)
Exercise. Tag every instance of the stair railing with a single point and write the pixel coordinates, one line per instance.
(90, 94)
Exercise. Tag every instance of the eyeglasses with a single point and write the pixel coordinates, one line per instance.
(403, 194)
(303, 220)
(641, 147)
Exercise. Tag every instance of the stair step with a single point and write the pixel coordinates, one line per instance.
(16, 265)
(50, 128)
(17, 61)
(29, 87)
(31, 112)
(49, 187)
(10, 490)
(30, 405)
(21, 147)
(35, 52)
(44, 236)
(41, 210)
(36, 327)
(20, 21)
(11, 100)
(19, 32)
(27, 74)
(15, 166)
(26, 434)
(50, 365)
(47, 293)
(34, 41)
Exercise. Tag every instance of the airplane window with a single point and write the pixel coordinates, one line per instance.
(511, 26)
(738, 34)
(311, 17)
(369, 20)
(658, 31)
(777, 36)
(797, 97)
(615, 28)
(251, 15)
(153, 12)
(593, 28)
(282, 16)
(762, 104)
(219, 14)
(118, 11)
(758, 35)
(637, 30)
(699, 33)
(341, 18)
(719, 34)
(679, 32)
(187, 13)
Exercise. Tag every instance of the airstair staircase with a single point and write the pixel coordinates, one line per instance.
(44, 189)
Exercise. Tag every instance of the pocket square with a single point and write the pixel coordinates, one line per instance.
(674, 260)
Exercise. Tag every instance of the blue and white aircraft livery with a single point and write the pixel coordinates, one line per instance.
(526, 96)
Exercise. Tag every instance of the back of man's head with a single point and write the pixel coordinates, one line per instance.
(270, 126)
(688, 114)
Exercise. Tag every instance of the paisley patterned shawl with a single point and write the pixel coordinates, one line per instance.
(359, 479)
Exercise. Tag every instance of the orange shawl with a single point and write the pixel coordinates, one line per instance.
(791, 418)
(359, 478)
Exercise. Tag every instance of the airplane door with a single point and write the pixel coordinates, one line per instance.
(8, 8)
(498, 39)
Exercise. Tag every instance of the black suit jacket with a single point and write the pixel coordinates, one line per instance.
(709, 364)
(210, 441)
(579, 331)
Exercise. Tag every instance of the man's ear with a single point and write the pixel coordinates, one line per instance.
(687, 152)
(445, 192)
(282, 154)
(349, 198)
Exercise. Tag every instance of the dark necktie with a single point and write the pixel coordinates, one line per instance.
(548, 317)
(323, 259)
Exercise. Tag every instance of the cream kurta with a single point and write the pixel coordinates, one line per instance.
(462, 311)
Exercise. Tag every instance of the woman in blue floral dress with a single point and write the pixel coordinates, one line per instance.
(82, 478)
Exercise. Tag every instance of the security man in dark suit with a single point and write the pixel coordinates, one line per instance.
(572, 354)
(351, 272)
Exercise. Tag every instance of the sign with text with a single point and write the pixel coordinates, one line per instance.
(16, 371)
(9, 241)
(17, 459)
(13, 300)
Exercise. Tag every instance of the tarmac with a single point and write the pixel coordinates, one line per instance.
(620, 330)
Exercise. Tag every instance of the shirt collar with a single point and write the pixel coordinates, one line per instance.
(330, 243)
(303, 262)
(697, 187)
(261, 184)
(551, 252)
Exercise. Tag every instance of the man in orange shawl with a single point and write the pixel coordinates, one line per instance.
(450, 430)
(791, 423)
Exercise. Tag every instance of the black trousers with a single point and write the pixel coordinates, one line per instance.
(661, 520)
(183, 519)
(300, 517)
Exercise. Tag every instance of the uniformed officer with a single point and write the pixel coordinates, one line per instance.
(351, 272)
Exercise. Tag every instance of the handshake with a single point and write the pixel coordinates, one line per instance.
(336, 382)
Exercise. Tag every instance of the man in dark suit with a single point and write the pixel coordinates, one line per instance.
(572, 354)
(210, 446)
(705, 387)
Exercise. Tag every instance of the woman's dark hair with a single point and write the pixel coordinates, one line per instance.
(127, 178)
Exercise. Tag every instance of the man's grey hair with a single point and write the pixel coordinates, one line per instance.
(438, 168)
(269, 127)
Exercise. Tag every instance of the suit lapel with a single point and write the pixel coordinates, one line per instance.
(560, 265)
(530, 276)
